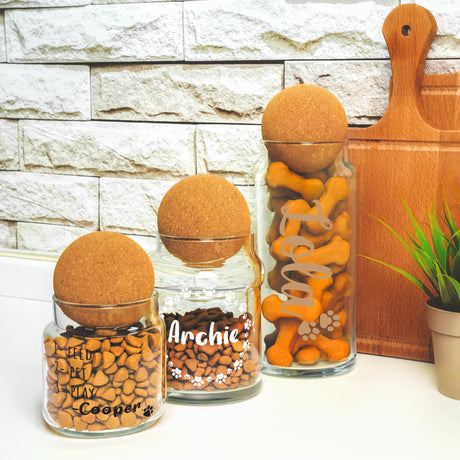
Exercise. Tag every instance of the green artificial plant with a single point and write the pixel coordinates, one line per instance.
(437, 253)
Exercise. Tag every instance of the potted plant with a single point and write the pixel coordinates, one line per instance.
(436, 251)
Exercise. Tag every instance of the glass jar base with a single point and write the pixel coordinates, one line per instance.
(101, 434)
(310, 371)
(212, 397)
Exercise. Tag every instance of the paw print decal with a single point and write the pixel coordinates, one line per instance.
(329, 321)
(308, 330)
(148, 411)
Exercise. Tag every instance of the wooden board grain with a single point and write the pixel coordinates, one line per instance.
(409, 154)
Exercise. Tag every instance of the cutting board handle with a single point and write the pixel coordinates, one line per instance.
(409, 30)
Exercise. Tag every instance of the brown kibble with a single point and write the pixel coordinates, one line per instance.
(130, 349)
(128, 419)
(121, 375)
(249, 366)
(102, 417)
(65, 419)
(68, 401)
(93, 345)
(63, 379)
(73, 342)
(105, 345)
(141, 375)
(191, 364)
(146, 353)
(117, 350)
(133, 361)
(89, 418)
(100, 379)
(225, 360)
(112, 369)
(50, 346)
(109, 395)
(108, 359)
(141, 392)
(237, 346)
(121, 361)
(97, 359)
(76, 382)
(134, 341)
(128, 386)
(150, 364)
(127, 399)
(61, 342)
(57, 399)
(112, 423)
(96, 427)
(209, 349)
(76, 363)
(79, 424)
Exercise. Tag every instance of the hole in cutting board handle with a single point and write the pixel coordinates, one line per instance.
(406, 30)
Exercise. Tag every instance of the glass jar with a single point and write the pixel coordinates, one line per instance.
(212, 315)
(104, 381)
(306, 204)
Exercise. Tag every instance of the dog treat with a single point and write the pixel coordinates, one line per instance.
(203, 207)
(104, 383)
(304, 114)
(103, 268)
(309, 240)
(210, 350)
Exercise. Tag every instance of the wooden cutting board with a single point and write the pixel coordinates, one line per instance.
(410, 154)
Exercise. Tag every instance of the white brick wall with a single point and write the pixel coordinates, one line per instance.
(104, 104)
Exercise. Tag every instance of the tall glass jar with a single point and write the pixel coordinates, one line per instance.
(104, 381)
(306, 238)
(212, 315)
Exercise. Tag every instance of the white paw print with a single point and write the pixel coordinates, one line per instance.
(177, 373)
(329, 321)
(237, 364)
(220, 378)
(308, 330)
(197, 381)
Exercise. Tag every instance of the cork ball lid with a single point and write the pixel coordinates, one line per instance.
(304, 113)
(103, 268)
(203, 207)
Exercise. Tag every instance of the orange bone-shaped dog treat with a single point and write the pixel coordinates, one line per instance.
(291, 227)
(272, 309)
(279, 353)
(279, 175)
(308, 355)
(283, 192)
(336, 252)
(336, 191)
(342, 319)
(319, 285)
(342, 288)
(340, 226)
(336, 349)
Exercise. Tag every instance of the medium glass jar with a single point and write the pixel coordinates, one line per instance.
(306, 230)
(104, 381)
(212, 315)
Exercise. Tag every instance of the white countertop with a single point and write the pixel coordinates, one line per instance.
(385, 408)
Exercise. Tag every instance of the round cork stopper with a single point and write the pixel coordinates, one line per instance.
(304, 114)
(203, 207)
(104, 268)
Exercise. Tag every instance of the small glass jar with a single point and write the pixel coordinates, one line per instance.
(306, 204)
(211, 310)
(104, 381)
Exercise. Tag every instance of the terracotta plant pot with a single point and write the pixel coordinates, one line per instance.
(445, 330)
